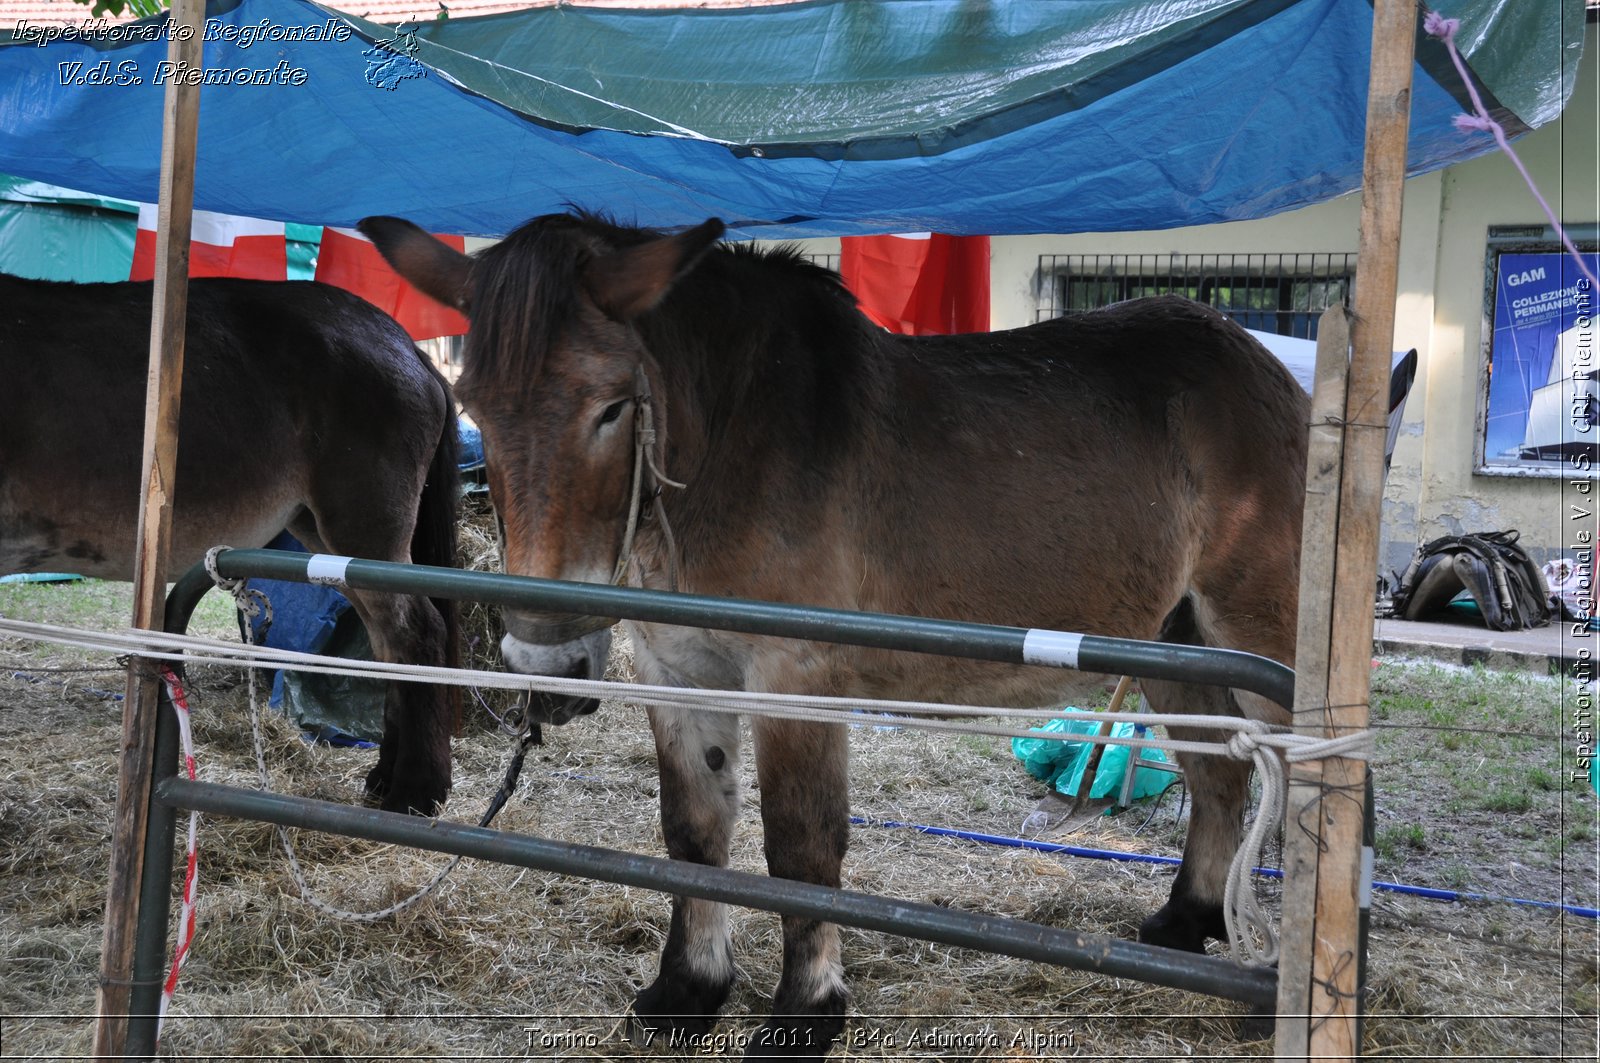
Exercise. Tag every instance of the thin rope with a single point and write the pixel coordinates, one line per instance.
(1251, 739)
(1445, 29)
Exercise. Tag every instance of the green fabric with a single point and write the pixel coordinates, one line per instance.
(47, 241)
(302, 244)
(820, 72)
(22, 190)
(1061, 764)
(803, 73)
(1497, 36)
(340, 704)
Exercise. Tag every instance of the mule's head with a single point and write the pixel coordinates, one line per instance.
(555, 372)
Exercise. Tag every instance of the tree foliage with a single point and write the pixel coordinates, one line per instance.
(116, 8)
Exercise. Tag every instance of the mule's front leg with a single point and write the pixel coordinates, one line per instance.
(805, 810)
(698, 755)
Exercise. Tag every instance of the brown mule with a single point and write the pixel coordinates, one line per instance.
(304, 408)
(1135, 472)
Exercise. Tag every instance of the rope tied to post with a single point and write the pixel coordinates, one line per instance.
(252, 602)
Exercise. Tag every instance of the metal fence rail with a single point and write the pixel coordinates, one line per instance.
(1209, 975)
(987, 642)
(1198, 973)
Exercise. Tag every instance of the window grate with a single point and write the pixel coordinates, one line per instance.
(1279, 293)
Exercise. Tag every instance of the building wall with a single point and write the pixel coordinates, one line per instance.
(1432, 488)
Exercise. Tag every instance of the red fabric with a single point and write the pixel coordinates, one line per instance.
(919, 286)
(348, 260)
(220, 245)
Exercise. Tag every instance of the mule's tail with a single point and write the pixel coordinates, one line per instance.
(433, 541)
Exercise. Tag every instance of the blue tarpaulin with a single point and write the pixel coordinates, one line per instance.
(828, 117)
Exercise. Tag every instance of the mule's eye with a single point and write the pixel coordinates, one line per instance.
(612, 412)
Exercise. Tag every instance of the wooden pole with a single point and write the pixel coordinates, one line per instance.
(1320, 1012)
(1318, 546)
(180, 125)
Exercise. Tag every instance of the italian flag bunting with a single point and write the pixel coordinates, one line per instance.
(349, 260)
(919, 284)
(221, 245)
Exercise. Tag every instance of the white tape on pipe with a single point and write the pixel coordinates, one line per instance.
(327, 569)
(1056, 648)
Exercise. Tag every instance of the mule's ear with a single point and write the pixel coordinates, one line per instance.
(626, 283)
(433, 267)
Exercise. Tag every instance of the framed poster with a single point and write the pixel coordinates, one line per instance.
(1541, 407)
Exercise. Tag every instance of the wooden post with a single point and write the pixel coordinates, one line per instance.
(180, 126)
(1318, 546)
(1319, 1012)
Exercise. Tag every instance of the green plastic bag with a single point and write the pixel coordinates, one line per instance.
(1061, 764)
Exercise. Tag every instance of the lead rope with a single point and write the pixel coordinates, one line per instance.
(250, 601)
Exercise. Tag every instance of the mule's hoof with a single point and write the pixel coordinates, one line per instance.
(1260, 1023)
(413, 800)
(378, 782)
(676, 1011)
(808, 1036)
(1182, 924)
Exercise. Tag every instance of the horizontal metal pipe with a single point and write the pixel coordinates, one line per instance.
(988, 642)
(1197, 973)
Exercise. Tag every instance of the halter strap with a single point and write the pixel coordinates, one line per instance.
(646, 462)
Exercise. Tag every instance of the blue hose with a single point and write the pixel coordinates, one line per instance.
(1267, 872)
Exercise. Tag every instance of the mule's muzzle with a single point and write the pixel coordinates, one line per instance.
(554, 629)
(576, 656)
(557, 709)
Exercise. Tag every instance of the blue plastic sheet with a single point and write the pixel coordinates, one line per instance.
(310, 618)
(805, 119)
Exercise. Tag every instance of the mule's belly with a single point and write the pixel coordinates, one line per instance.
(95, 532)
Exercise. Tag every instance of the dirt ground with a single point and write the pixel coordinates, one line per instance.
(1473, 796)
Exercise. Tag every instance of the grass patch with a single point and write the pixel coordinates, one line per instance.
(1508, 800)
(1392, 841)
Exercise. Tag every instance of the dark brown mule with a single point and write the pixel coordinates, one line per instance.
(1136, 472)
(303, 408)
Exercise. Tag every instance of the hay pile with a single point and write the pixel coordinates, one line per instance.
(506, 963)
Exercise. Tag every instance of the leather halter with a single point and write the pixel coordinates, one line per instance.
(569, 627)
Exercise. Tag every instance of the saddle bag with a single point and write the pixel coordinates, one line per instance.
(1507, 586)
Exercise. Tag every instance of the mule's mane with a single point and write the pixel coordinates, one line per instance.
(521, 301)
(525, 288)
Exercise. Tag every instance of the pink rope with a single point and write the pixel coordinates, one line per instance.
(1445, 29)
(186, 913)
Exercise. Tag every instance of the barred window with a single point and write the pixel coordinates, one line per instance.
(1279, 293)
